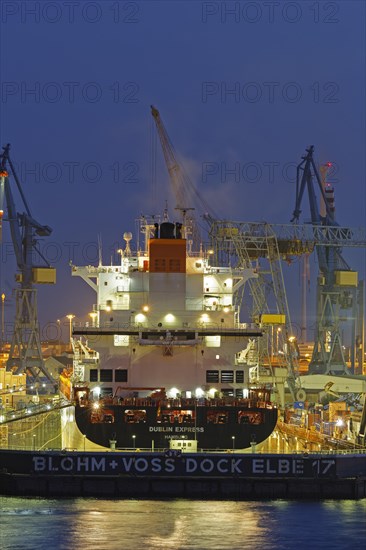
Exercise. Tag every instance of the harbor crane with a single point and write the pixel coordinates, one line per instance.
(340, 296)
(25, 354)
(245, 244)
(185, 193)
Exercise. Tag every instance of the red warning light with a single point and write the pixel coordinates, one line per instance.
(329, 164)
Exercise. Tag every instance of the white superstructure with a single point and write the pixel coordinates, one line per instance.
(164, 318)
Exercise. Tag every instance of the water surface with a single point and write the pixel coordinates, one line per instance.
(96, 524)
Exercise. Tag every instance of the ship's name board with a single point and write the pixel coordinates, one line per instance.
(176, 429)
(115, 464)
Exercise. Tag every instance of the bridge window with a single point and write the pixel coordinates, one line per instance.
(212, 376)
(106, 375)
(120, 375)
(227, 376)
(239, 377)
(93, 375)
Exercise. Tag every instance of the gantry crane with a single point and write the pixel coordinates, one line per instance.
(25, 351)
(339, 293)
(242, 245)
(250, 243)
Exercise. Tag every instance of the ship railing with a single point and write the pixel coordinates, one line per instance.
(133, 401)
(202, 327)
(185, 402)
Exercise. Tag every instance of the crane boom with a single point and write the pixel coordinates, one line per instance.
(185, 193)
(330, 259)
(173, 166)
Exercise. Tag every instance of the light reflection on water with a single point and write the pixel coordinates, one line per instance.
(76, 524)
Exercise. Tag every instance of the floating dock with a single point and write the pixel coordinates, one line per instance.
(170, 474)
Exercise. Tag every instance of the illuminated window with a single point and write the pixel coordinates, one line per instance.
(135, 416)
(213, 341)
(227, 392)
(227, 376)
(212, 376)
(121, 340)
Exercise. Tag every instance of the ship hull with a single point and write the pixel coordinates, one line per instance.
(153, 433)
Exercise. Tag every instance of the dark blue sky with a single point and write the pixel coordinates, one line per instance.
(81, 140)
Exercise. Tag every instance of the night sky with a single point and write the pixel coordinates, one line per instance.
(239, 84)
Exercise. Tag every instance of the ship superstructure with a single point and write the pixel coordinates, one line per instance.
(167, 329)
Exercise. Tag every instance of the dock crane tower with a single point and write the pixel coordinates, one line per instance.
(338, 289)
(25, 354)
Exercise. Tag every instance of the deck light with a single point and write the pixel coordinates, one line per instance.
(93, 315)
(70, 317)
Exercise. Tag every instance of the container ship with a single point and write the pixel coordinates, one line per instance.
(166, 370)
